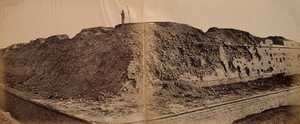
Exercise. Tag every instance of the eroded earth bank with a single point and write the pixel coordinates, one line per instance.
(141, 71)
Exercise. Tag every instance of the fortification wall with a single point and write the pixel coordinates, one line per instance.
(266, 60)
(102, 61)
(218, 56)
(29, 112)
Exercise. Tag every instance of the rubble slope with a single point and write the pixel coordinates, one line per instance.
(101, 62)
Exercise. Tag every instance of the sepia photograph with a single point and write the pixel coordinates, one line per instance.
(149, 61)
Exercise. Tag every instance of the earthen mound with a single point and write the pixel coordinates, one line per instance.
(102, 62)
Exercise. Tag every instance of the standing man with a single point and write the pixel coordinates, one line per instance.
(123, 17)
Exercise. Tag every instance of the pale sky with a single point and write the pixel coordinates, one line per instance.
(25, 20)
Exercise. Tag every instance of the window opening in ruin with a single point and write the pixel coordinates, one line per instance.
(239, 69)
(247, 71)
(271, 69)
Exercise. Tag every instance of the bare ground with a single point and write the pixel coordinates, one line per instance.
(280, 115)
(181, 96)
(122, 109)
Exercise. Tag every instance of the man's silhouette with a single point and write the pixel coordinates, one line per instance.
(123, 17)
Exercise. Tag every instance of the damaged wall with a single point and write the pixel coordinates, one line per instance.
(110, 61)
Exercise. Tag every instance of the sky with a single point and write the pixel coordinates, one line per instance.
(25, 20)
